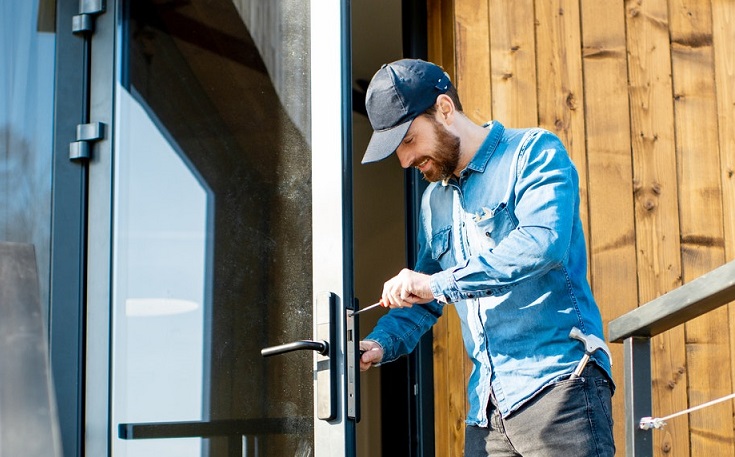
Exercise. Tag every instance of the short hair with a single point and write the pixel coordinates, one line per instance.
(453, 95)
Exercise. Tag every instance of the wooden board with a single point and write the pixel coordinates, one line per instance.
(513, 58)
(612, 232)
(723, 37)
(559, 80)
(700, 203)
(655, 190)
(473, 64)
(450, 403)
(442, 442)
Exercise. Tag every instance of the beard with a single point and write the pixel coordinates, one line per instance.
(445, 154)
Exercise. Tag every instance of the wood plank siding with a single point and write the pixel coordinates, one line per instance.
(643, 95)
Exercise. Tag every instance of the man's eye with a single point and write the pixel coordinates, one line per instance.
(407, 140)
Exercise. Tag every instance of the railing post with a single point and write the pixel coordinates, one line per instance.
(638, 404)
(636, 328)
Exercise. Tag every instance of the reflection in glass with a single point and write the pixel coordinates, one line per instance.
(26, 129)
(213, 223)
(159, 296)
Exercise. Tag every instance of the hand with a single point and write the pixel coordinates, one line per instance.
(372, 355)
(406, 289)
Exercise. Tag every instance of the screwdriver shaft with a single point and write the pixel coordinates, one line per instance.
(365, 309)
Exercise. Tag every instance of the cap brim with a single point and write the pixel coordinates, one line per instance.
(384, 142)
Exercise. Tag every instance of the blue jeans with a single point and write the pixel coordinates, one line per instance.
(572, 417)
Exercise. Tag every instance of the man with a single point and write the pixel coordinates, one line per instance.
(500, 239)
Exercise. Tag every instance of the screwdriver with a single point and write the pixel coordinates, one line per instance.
(354, 313)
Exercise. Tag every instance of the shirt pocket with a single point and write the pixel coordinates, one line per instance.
(492, 226)
(440, 245)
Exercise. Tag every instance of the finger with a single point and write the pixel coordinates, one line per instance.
(393, 300)
(386, 299)
(372, 355)
(364, 366)
(403, 299)
(403, 295)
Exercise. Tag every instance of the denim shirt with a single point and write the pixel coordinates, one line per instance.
(504, 243)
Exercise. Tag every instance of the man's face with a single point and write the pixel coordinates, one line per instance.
(429, 147)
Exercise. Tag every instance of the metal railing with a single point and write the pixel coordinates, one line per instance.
(635, 330)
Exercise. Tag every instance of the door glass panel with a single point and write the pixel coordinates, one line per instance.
(212, 228)
(27, 46)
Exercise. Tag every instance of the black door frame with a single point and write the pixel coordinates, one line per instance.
(68, 237)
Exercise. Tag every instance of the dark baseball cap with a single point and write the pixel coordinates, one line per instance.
(397, 94)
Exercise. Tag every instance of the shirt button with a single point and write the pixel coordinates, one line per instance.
(470, 296)
(487, 234)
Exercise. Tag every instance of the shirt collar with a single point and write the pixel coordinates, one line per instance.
(488, 147)
(486, 150)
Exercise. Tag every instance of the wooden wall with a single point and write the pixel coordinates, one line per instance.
(643, 95)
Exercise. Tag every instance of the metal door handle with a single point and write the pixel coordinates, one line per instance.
(327, 375)
(322, 347)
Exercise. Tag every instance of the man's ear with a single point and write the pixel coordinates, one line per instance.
(445, 108)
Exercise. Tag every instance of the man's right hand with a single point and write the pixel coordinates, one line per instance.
(406, 289)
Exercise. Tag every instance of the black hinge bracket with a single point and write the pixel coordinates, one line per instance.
(84, 21)
(86, 135)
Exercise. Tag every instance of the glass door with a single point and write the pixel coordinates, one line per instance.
(230, 231)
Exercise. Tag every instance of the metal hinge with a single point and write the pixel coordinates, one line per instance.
(84, 21)
(86, 135)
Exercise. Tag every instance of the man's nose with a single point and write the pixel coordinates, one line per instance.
(403, 158)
